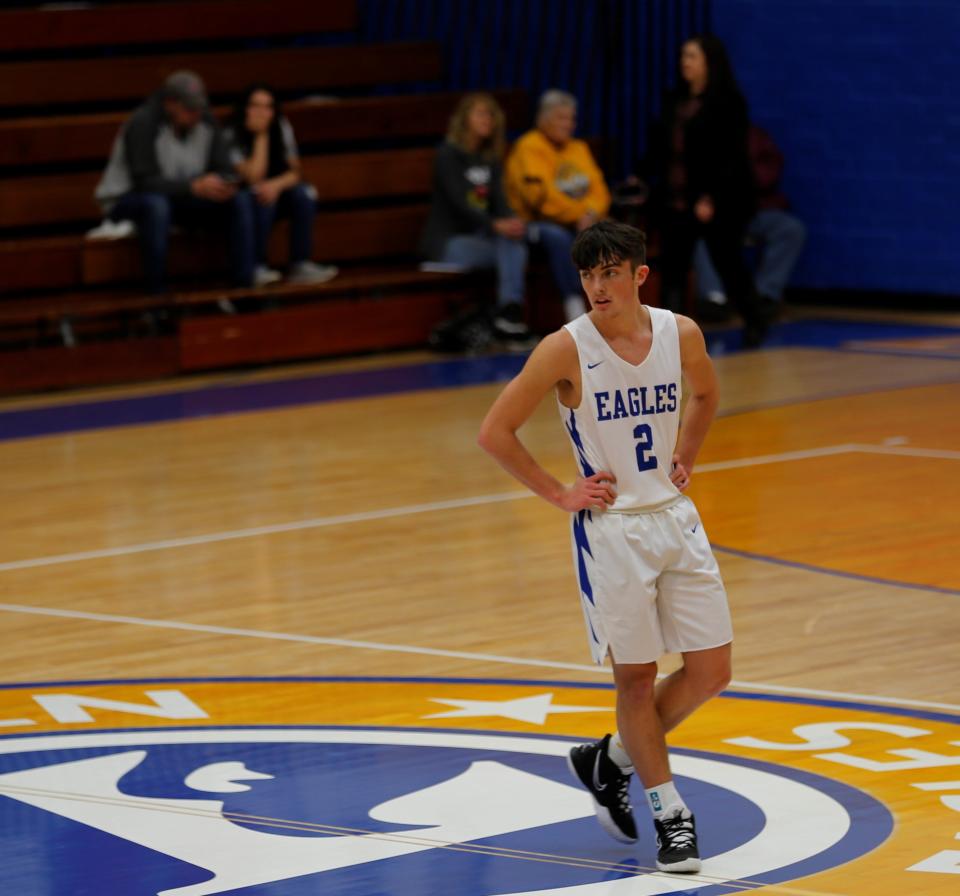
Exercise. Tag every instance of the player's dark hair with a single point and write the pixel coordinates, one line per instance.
(609, 242)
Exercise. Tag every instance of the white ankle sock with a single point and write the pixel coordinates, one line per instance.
(618, 754)
(665, 801)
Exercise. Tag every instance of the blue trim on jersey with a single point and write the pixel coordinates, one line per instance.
(579, 523)
(593, 634)
(583, 547)
(577, 440)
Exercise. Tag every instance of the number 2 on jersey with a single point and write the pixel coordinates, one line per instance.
(644, 436)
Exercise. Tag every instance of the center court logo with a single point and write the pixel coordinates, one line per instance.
(295, 807)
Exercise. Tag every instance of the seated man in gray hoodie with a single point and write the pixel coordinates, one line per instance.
(170, 164)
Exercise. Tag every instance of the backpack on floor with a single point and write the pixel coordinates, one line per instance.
(468, 330)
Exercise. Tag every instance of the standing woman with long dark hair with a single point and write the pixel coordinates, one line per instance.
(264, 153)
(705, 181)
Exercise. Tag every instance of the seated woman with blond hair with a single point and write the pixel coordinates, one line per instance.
(471, 224)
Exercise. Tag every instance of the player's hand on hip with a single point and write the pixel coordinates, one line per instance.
(594, 492)
(679, 474)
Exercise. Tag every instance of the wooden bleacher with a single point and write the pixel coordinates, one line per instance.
(64, 81)
(124, 24)
(68, 198)
(87, 138)
(369, 154)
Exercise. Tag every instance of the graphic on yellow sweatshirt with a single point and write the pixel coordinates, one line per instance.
(546, 182)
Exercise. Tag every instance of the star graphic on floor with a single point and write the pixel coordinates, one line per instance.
(533, 709)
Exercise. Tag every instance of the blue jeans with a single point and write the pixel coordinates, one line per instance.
(556, 241)
(295, 203)
(780, 237)
(155, 213)
(479, 253)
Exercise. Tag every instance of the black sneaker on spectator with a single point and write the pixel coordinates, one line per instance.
(609, 787)
(677, 844)
(770, 308)
(714, 309)
(508, 322)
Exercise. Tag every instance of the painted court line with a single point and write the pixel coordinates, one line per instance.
(826, 570)
(907, 451)
(774, 458)
(286, 636)
(431, 651)
(389, 512)
(256, 531)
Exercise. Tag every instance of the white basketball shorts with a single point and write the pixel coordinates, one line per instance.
(649, 583)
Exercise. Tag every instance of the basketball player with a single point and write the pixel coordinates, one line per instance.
(649, 582)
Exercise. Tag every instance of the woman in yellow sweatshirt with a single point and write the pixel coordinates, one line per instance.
(553, 182)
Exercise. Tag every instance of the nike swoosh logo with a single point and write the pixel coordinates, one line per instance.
(694, 529)
(596, 364)
(596, 774)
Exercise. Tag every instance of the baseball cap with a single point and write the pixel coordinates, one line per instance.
(186, 87)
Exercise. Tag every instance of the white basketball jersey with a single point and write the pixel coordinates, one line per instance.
(629, 414)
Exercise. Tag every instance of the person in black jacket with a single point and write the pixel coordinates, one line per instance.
(470, 224)
(777, 234)
(170, 164)
(704, 184)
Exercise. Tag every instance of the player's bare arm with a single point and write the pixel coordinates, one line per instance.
(703, 393)
(553, 364)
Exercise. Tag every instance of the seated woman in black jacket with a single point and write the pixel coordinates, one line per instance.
(703, 180)
(470, 223)
(264, 153)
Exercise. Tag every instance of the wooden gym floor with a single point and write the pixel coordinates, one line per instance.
(337, 521)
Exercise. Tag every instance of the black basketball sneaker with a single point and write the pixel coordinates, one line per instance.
(609, 787)
(677, 844)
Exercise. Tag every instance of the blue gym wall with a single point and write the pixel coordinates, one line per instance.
(863, 96)
(616, 56)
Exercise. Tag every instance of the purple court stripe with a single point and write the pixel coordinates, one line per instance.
(826, 570)
(246, 397)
